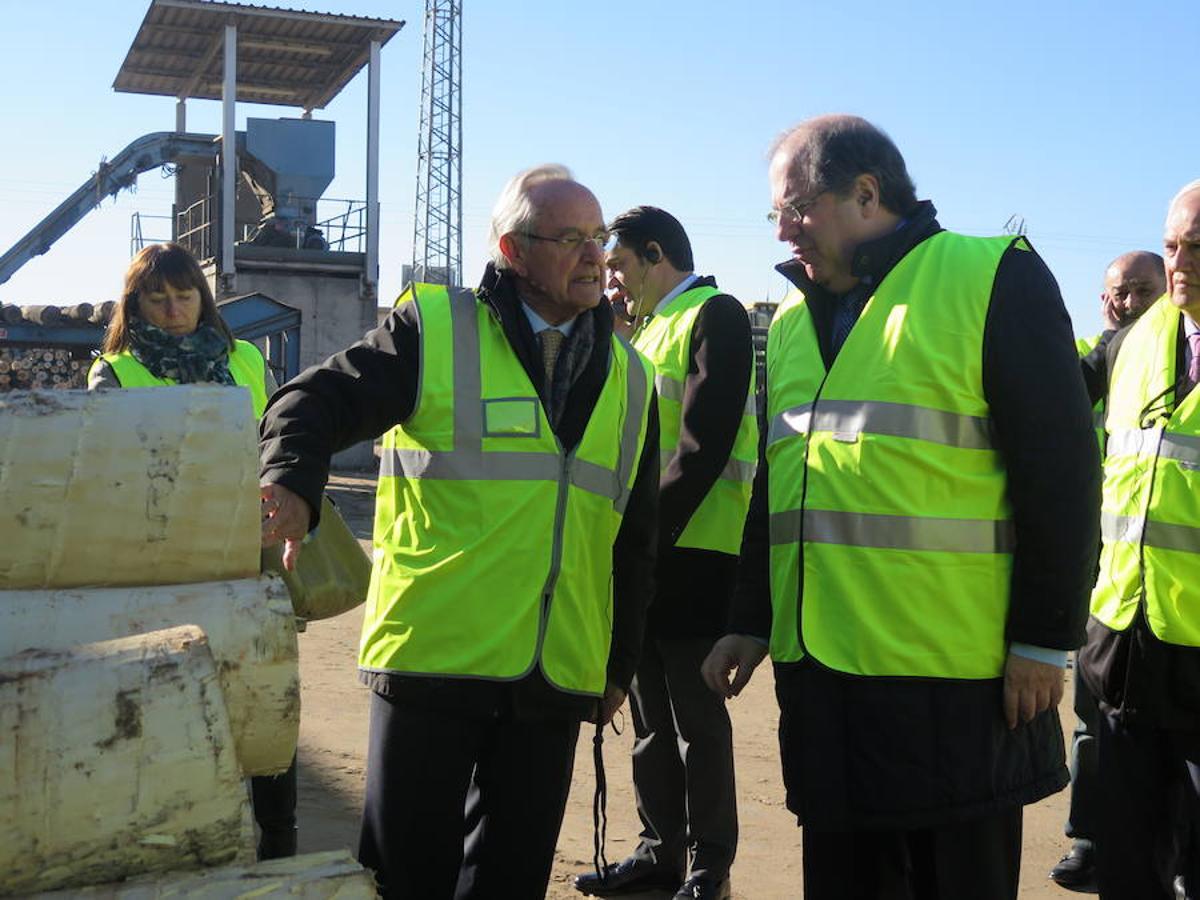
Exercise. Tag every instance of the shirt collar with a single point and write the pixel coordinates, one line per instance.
(538, 324)
(687, 282)
(1189, 326)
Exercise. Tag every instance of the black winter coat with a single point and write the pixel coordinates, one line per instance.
(864, 752)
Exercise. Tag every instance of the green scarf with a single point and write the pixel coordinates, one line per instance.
(202, 355)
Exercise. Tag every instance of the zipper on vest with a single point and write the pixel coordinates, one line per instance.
(800, 538)
(556, 550)
(1145, 513)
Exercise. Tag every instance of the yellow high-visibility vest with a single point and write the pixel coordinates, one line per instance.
(493, 546)
(891, 535)
(666, 341)
(1150, 513)
(246, 365)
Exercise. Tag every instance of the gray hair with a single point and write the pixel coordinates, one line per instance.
(513, 211)
(1188, 188)
(827, 153)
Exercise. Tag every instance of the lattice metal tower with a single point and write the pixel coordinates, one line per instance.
(437, 233)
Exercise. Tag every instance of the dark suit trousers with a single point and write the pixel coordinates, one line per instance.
(1085, 766)
(682, 761)
(274, 800)
(979, 859)
(462, 805)
(1149, 810)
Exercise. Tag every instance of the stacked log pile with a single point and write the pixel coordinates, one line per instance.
(52, 368)
(22, 368)
(146, 668)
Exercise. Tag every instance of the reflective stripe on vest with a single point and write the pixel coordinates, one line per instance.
(246, 365)
(493, 547)
(891, 536)
(1150, 514)
(666, 340)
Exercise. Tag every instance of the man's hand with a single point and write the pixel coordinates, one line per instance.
(610, 703)
(1112, 313)
(1030, 687)
(285, 517)
(734, 651)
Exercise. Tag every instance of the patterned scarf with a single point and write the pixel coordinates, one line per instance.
(202, 355)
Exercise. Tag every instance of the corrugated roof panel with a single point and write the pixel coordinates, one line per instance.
(285, 57)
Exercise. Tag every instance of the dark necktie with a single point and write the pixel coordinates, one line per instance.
(848, 310)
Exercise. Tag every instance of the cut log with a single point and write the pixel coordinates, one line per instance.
(48, 314)
(116, 759)
(103, 312)
(249, 626)
(127, 487)
(332, 875)
(79, 312)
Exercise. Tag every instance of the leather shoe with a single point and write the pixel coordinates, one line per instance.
(628, 877)
(1076, 870)
(701, 887)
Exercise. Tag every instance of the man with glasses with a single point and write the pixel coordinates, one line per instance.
(699, 341)
(1142, 657)
(514, 541)
(923, 530)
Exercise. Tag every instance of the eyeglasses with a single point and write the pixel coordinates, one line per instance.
(793, 212)
(575, 241)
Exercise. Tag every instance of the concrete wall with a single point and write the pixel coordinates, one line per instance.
(334, 315)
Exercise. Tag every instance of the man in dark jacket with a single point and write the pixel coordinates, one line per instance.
(1132, 282)
(699, 340)
(920, 550)
(523, 432)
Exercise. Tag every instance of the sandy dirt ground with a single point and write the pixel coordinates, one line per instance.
(333, 738)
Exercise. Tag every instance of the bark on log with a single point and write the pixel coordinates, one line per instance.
(103, 312)
(47, 314)
(249, 626)
(332, 875)
(116, 759)
(128, 487)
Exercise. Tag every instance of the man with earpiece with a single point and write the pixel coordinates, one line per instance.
(698, 339)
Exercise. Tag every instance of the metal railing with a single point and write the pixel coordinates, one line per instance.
(137, 236)
(343, 228)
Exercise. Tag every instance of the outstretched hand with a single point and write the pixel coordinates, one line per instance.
(734, 653)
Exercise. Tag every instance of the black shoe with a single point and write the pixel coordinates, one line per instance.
(628, 877)
(1076, 870)
(701, 887)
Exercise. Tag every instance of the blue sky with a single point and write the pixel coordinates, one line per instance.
(1078, 117)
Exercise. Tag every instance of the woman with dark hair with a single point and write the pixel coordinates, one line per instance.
(166, 330)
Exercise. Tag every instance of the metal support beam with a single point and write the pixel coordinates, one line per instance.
(181, 115)
(437, 232)
(371, 275)
(228, 161)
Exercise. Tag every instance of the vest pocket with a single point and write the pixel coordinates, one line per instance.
(511, 417)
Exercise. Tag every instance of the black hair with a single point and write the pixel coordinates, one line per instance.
(638, 227)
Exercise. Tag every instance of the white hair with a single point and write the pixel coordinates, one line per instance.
(1190, 187)
(514, 210)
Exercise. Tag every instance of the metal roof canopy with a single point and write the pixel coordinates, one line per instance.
(284, 57)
